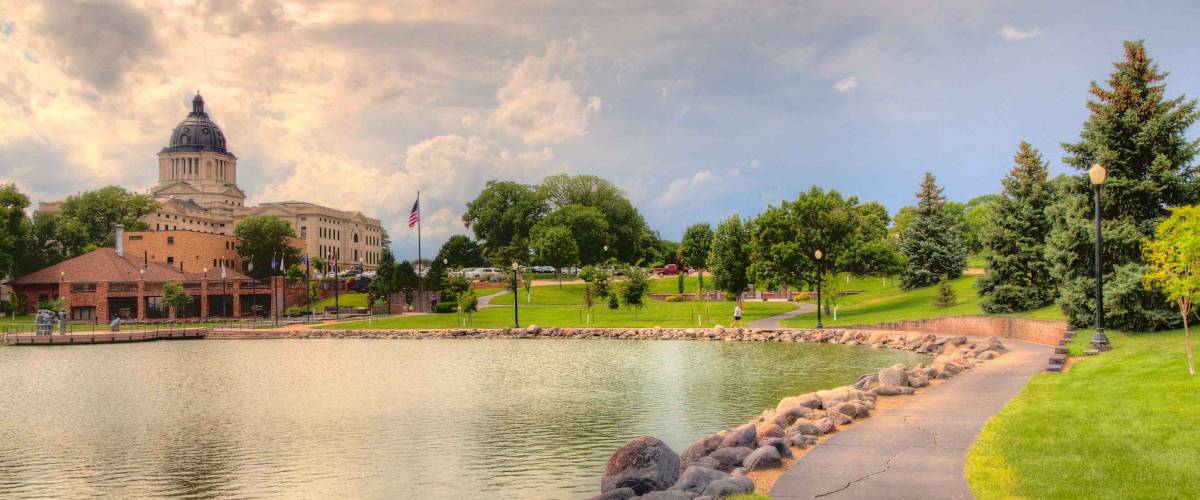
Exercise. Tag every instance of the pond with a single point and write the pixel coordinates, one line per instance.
(376, 418)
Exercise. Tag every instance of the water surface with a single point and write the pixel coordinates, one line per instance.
(362, 418)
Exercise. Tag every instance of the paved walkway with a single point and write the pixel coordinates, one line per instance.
(917, 449)
(773, 321)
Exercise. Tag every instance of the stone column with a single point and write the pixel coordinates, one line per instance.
(204, 299)
(235, 294)
(141, 298)
(101, 301)
(278, 295)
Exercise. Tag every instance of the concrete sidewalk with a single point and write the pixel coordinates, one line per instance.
(919, 448)
(773, 321)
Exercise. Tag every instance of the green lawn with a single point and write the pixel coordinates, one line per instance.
(554, 307)
(878, 304)
(344, 300)
(1120, 425)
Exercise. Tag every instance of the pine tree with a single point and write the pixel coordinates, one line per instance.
(1018, 274)
(1139, 136)
(945, 296)
(931, 242)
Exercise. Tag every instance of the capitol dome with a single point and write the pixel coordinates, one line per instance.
(197, 132)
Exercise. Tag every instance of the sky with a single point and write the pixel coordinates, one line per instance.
(696, 109)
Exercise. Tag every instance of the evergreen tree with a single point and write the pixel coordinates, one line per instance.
(1139, 136)
(931, 242)
(945, 296)
(729, 259)
(1018, 274)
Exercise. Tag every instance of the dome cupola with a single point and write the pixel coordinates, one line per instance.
(197, 132)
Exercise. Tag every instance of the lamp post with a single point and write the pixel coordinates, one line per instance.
(818, 256)
(516, 313)
(1097, 174)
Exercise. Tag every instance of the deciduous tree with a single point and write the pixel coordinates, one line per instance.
(1173, 265)
(694, 249)
(555, 246)
(729, 257)
(262, 238)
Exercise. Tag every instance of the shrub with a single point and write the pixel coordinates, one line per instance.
(801, 296)
(945, 296)
(294, 311)
(674, 298)
(445, 307)
(613, 303)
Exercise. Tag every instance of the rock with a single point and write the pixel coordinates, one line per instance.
(699, 449)
(804, 426)
(533, 329)
(669, 495)
(768, 430)
(730, 458)
(825, 425)
(729, 486)
(892, 390)
(986, 355)
(617, 494)
(894, 375)
(839, 418)
(695, 479)
(708, 462)
(644, 465)
(764, 457)
(745, 436)
(837, 395)
(802, 441)
(809, 400)
(780, 445)
(917, 382)
(852, 409)
(719, 330)
(866, 381)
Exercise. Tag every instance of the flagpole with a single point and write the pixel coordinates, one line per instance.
(420, 278)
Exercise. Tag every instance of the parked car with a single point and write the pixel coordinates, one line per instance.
(543, 269)
(667, 270)
(570, 270)
(485, 274)
(369, 274)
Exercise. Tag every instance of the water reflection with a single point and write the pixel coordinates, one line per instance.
(398, 419)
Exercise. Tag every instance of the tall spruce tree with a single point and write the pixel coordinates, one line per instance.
(1018, 275)
(1139, 135)
(931, 242)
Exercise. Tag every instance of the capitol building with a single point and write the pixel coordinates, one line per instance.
(197, 192)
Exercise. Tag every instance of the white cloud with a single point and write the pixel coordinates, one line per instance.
(1013, 33)
(540, 102)
(686, 189)
(846, 84)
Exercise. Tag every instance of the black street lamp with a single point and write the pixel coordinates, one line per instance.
(818, 255)
(1097, 175)
(516, 314)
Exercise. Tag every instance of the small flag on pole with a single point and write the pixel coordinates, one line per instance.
(415, 216)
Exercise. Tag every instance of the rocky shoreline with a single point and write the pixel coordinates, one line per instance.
(716, 465)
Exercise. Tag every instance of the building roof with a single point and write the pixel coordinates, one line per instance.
(103, 264)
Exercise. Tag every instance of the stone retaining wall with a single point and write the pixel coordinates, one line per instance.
(1038, 331)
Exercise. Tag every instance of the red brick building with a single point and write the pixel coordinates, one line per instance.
(104, 284)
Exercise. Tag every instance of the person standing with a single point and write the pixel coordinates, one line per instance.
(737, 314)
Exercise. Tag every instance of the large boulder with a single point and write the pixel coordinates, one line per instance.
(699, 449)
(852, 409)
(837, 395)
(892, 390)
(729, 486)
(708, 462)
(766, 430)
(745, 436)
(809, 400)
(533, 329)
(644, 465)
(780, 445)
(805, 426)
(617, 494)
(696, 478)
(764, 457)
(669, 495)
(825, 425)
(730, 458)
(894, 375)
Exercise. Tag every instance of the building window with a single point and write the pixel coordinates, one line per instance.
(170, 260)
(79, 313)
(135, 238)
(304, 231)
(170, 240)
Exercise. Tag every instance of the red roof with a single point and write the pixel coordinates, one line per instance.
(103, 264)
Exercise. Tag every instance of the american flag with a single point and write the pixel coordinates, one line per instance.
(415, 216)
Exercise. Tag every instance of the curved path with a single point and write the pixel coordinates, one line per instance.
(917, 449)
(773, 321)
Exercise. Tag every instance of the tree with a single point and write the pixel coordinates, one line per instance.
(385, 282)
(467, 302)
(931, 242)
(851, 236)
(630, 239)
(556, 247)
(503, 214)
(319, 264)
(1173, 262)
(1018, 275)
(460, 251)
(405, 279)
(633, 289)
(588, 228)
(729, 258)
(101, 210)
(1141, 138)
(262, 238)
(945, 296)
(694, 249)
(14, 229)
(175, 297)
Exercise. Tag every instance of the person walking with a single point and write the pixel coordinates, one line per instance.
(737, 314)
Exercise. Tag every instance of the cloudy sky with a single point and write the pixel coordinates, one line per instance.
(697, 109)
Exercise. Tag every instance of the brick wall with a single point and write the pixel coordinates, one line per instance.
(1030, 330)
